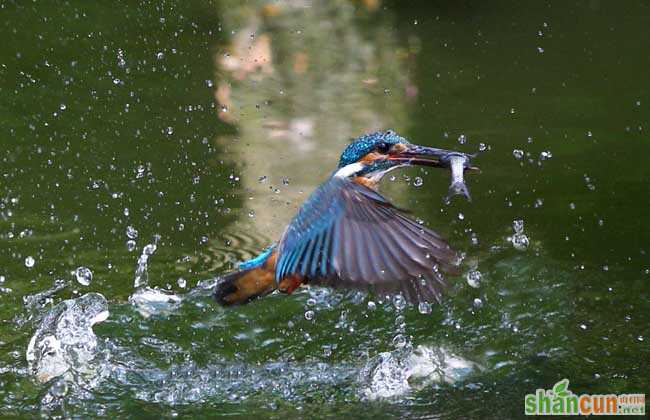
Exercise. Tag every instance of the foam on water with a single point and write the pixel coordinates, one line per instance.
(397, 373)
(64, 341)
(152, 301)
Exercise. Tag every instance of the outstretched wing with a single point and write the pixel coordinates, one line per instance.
(347, 235)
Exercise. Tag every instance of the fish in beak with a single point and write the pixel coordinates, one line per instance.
(457, 162)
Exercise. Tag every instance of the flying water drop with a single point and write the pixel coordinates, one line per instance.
(474, 278)
(424, 308)
(29, 262)
(399, 302)
(83, 275)
(131, 232)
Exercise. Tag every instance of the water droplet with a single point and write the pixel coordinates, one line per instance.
(424, 308)
(83, 275)
(399, 302)
(181, 282)
(131, 232)
(309, 315)
(418, 181)
(477, 303)
(518, 154)
(520, 241)
(474, 278)
(546, 154)
(399, 341)
(140, 171)
(60, 388)
(29, 262)
(149, 249)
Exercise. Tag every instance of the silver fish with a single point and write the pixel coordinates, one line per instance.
(458, 162)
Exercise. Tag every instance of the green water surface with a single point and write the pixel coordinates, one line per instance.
(203, 125)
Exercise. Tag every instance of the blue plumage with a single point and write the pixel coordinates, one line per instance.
(311, 226)
(258, 260)
(366, 143)
(348, 235)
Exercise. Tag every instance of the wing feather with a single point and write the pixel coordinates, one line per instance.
(347, 235)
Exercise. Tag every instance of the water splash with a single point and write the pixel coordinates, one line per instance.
(141, 273)
(394, 374)
(151, 301)
(64, 341)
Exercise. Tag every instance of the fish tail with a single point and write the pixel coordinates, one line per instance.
(457, 188)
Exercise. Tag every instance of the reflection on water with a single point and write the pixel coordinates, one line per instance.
(298, 81)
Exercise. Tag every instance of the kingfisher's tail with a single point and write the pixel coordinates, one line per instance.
(255, 278)
(243, 286)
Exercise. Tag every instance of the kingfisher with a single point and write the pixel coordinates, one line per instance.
(347, 235)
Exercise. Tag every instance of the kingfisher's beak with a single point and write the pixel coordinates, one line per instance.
(413, 154)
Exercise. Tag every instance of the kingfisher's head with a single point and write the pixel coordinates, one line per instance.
(372, 155)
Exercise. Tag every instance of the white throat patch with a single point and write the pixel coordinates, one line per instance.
(349, 170)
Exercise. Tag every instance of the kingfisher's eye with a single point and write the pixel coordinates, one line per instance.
(383, 147)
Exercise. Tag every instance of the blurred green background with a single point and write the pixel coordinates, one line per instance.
(201, 126)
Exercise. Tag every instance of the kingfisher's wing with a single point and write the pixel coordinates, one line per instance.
(347, 235)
